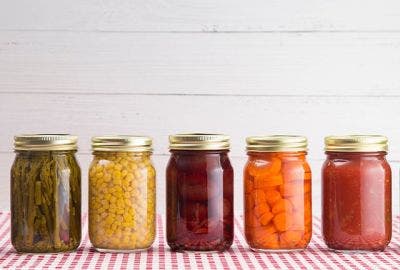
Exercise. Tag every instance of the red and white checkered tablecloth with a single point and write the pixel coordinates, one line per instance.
(316, 256)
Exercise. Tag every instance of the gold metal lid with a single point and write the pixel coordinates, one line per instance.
(198, 141)
(276, 143)
(122, 143)
(45, 142)
(356, 143)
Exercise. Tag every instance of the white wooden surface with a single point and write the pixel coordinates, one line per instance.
(200, 15)
(201, 63)
(239, 67)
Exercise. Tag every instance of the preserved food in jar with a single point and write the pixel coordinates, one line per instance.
(45, 194)
(199, 193)
(356, 193)
(277, 193)
(122, 189)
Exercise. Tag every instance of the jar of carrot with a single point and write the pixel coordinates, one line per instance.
(277, 193)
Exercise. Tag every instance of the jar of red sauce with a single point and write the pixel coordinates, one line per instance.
(199, 193)
(277, 193)
(356, 193)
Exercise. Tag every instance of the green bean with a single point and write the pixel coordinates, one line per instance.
(45, 201)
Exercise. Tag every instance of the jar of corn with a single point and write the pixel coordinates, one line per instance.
(122, 191)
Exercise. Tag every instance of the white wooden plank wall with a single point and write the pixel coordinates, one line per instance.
(239, 67)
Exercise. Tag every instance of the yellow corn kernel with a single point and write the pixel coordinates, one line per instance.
(116, 174)
(117, 181)
(124, 163)
(122, 201)
(117, 166)
(109, 165)
(112, 199)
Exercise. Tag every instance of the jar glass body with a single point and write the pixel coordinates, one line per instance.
(199, 200)
(122, 201)
(45, 201)
(356, 201)
(277, 201)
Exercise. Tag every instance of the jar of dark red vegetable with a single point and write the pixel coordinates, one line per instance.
(356, 193)
(199, 193)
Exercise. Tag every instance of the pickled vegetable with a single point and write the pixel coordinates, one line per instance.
(45, 201)
(277, 190)
(199, 201)
(122, 201)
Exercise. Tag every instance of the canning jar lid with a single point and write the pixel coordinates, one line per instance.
(122, 143)
(356, 143)
(276, 143)
(199, 141)
(45, 142)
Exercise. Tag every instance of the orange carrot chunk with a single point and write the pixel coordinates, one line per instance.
(283, 205)
(261, 181)
(260, 209)
(262, 231)
(260, 234)
(263, 238)
(271, 241)
(275, 188)
(270, 228)
(275, 166)
(251, 220)
(282, 222)
(289, 239)
(266, 218)
(272, 196)
(259, 196)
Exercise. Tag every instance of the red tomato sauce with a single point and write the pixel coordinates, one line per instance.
(356, 201)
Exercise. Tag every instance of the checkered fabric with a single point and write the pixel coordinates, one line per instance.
(316, 256)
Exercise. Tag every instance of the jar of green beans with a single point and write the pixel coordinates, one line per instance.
(45, 194)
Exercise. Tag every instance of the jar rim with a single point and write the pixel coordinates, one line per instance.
(122, 143)
(277, 143)
(356, 143)
(199, 141)
(45, 142)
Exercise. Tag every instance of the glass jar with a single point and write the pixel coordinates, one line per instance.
(45, 194)
(199, 193)
(356, 193)
(122, 194)
(277, 193)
